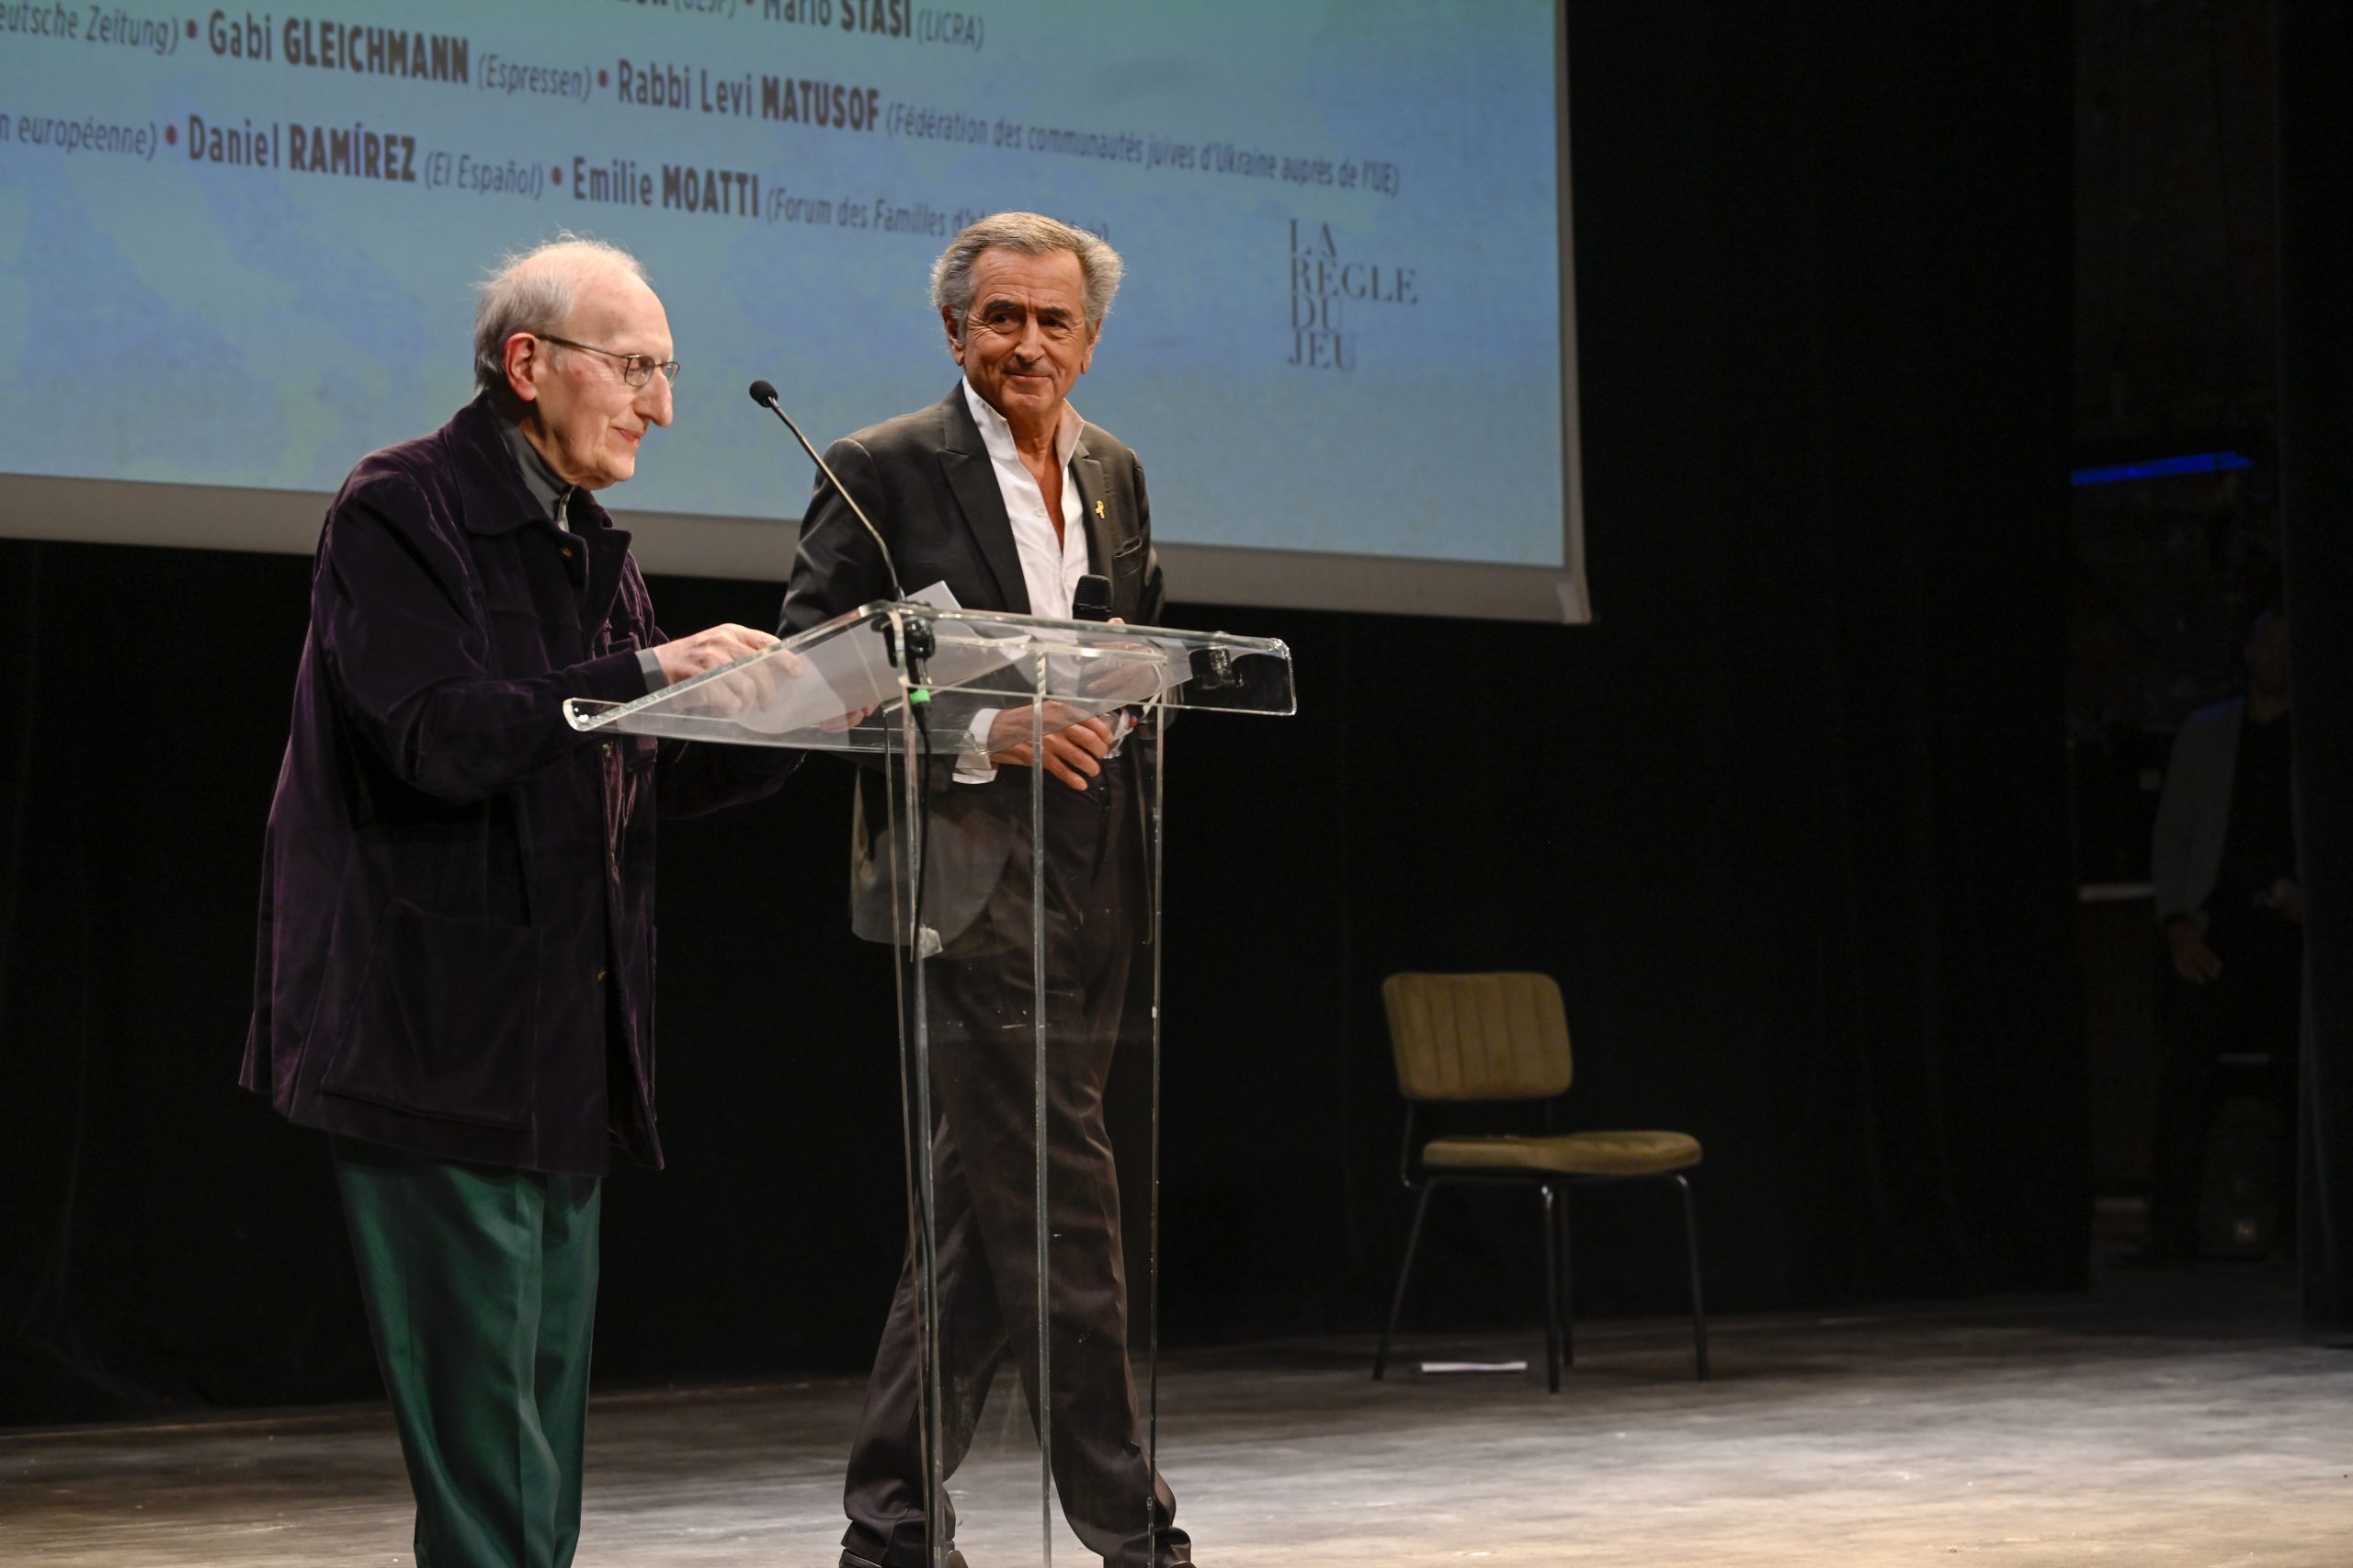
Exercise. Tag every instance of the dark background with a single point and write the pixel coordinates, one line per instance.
(1789, 822)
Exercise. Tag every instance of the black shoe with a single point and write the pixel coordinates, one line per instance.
(852, 1560)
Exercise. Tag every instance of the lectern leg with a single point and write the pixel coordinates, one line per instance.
(1035, 1016)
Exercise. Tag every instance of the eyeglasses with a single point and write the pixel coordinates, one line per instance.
(636, 369)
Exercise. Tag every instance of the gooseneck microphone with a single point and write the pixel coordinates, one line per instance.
(763, 394)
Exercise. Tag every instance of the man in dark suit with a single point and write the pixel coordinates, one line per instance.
(1002, 493)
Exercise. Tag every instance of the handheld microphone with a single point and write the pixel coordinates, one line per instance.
(1091, 600)
(763, 394)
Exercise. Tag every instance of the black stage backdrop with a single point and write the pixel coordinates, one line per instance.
(1789, 822)
(2317, 517)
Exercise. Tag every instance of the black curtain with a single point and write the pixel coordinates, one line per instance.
(2316, 520)
(1788, 822)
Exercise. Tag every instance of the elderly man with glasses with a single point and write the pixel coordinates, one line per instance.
(456, 955)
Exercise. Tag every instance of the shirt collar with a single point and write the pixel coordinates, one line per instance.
(551, 492)
(996, 431)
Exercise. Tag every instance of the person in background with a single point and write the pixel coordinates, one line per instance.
(2224, 861)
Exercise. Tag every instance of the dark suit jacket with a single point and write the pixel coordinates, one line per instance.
(456, 945)
(925, 480)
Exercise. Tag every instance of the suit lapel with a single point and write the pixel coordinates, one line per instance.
(965, 460)
(1102, 535)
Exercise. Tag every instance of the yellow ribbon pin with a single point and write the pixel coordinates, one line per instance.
(1098, 509)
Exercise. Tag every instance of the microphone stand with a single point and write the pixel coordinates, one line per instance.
(919, 644)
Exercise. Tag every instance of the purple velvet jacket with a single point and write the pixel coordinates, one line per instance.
(456, 949)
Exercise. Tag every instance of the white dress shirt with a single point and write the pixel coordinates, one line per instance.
(1051, 563)
(1053, 560)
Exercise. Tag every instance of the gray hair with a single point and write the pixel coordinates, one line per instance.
(534, 291)
(1031, 233)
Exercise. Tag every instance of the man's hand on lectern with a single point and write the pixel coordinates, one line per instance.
(753, 687)
(1075, 745)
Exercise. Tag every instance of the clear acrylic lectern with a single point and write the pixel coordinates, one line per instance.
(1026, 918)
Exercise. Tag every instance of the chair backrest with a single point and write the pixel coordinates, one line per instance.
(1477, 1036)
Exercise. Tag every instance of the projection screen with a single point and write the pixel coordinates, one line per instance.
(237, 250)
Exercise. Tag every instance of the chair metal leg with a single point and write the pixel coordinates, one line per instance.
(1552, 1293)
(1404, 1272)
(1699, 1306)
(1568, 1282)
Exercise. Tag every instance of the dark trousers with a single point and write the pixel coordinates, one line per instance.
(481, 1288)
(2252, 1007)
(983, 1006)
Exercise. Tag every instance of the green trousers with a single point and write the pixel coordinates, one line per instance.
(481, 1287)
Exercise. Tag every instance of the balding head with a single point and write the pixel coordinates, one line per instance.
(572, 345)
(540, 290)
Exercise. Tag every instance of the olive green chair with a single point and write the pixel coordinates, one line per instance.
(1504, 1038)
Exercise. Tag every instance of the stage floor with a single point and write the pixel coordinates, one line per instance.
(2162, 1420)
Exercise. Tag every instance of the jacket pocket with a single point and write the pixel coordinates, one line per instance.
(444, 1023)
(1127, 566)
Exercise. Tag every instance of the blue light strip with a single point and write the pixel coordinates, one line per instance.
(2164, 468)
